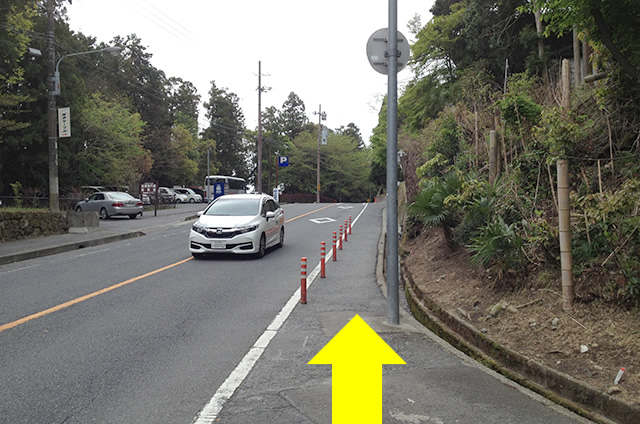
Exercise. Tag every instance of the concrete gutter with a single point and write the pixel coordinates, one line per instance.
(558, 387)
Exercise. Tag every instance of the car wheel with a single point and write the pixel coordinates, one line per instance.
(78, 209)
(281, 242)
(133, 216)
(191, 200)
(262, 247)
(178, 201)
(104, 214)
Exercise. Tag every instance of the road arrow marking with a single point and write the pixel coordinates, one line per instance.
(356, 354)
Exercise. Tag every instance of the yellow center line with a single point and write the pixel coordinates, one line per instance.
(65, 305)
(86, 297)
(309, 213)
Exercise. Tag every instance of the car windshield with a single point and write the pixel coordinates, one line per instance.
(234, 207)
(120, 196)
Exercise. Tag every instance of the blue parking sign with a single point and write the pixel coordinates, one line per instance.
(283, 161)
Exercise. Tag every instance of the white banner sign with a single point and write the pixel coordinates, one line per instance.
(64, 122)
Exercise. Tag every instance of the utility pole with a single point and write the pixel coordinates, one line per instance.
(54, 191)
(322, 116)
(261, 90)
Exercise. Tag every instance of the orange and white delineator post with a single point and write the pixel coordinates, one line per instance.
(345, 230)
(335, 251)
(340, 239)
(303, 280)
(322, 256)
(349, 224)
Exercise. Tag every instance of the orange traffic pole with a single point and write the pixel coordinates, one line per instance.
(349, 224)
(335, 251)
(340, 239)
(303, 280)
(345, 230)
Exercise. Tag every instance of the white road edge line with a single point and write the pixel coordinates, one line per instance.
(211, 410)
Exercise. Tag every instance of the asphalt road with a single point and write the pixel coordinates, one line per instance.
(156, 347)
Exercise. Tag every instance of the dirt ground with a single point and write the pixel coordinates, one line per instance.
(591, 343)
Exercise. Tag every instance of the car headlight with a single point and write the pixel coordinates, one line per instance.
(244, 230)
(198, 227)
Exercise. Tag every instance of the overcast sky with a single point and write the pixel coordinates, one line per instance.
(315, 49)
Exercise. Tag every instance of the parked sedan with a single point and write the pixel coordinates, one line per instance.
(167, 195)
(111, 203)
(238, 223)
(191, 195)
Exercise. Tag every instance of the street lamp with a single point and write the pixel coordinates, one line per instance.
(114, 51)
(54, 90)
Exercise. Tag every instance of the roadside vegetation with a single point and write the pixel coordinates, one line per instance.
(134, 123)
(459, 93)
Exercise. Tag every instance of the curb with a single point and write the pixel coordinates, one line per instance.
(558, 387)
(46, 251)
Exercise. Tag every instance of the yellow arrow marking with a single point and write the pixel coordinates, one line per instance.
(356, 354)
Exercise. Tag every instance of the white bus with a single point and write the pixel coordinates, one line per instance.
(232, 185)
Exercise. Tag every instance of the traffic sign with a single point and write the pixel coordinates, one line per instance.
(283, 161)
(378, 50)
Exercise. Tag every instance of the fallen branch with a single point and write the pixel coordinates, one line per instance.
(578, 322)
(528, 303)
(619, 247)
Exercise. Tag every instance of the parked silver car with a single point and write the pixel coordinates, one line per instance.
(238, 223)
(111, 203)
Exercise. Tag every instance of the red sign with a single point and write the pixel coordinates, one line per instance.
(148, 188)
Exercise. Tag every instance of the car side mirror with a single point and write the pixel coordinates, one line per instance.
(270, 214)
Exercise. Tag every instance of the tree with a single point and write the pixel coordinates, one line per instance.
(293, 117)
(226, 127)
(183, 104)
(344, 167)
(352, 131)
(608, 24)
(108, 145)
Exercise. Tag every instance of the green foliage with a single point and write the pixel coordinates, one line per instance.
(442, 138)
(226, 127)
(499, 245)
(517, 107)
(108, 145)
(434, 205)
(344, 167)
(16, 188)
(561, 132)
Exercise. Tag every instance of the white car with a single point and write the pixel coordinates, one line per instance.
(191, 195)
(167, 195)
(238, 223)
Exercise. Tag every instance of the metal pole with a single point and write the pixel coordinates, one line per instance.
(259, 159)
(318, 165)
(54, 193)
(206, 180)
(393, 305)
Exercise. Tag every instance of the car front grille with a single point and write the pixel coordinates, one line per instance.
(219, 233)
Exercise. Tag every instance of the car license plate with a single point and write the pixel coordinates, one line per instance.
(218, 245)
